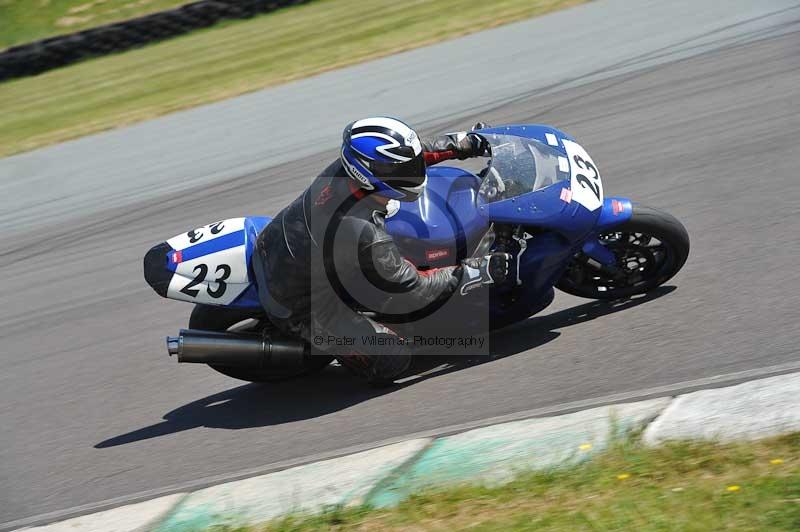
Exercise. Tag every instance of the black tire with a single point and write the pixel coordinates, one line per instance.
(650, 248)
(221, 319)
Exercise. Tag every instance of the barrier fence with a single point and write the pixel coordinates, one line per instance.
(54, 52)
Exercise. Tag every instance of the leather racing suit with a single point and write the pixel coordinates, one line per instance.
(326, 258)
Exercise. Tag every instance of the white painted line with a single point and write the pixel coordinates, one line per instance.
(563, 164)
(424, 373)
(551, 139)
(716, 381)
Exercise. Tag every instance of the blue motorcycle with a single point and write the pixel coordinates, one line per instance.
(539, 196)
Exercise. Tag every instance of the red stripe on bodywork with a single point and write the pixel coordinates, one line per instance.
(433, 157)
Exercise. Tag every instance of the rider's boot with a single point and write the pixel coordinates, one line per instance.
(390, 363)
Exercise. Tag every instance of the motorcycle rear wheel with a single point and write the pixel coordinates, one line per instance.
(221, 319)
(650, 249)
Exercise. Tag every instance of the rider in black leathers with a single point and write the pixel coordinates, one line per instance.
(326, 258)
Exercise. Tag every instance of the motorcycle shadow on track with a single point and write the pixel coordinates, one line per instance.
(335, 389)
(306, 398)
(531, 333)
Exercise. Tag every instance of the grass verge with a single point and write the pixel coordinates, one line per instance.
(233, 58)
(683, 486)
(29, 20)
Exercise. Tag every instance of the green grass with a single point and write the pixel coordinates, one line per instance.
(23, 21)
(233, 58)
(681, 486)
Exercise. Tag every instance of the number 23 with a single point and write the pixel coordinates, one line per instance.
(223, 272)
(195, 235)
(587, 182)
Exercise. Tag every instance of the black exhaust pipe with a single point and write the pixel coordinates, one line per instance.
(252, 351)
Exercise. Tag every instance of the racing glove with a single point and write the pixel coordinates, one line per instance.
(484, 271)
(463, 145)
(470, 145)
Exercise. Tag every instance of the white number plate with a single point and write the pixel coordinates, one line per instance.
(216, 277)
(585, 182)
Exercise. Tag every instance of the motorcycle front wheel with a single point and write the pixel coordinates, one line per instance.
(222, 319)
(650, 249)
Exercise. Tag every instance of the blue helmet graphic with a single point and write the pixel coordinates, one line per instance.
(385, 155)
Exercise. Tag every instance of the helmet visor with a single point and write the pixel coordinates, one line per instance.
(400, 175)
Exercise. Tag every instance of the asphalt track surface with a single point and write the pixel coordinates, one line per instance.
(91, 409)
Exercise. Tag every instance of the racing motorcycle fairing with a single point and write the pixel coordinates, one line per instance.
(540, 180)
(584, 211)
(442, 226)
(209, 265)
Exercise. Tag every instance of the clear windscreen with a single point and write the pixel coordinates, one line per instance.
(519, 165)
